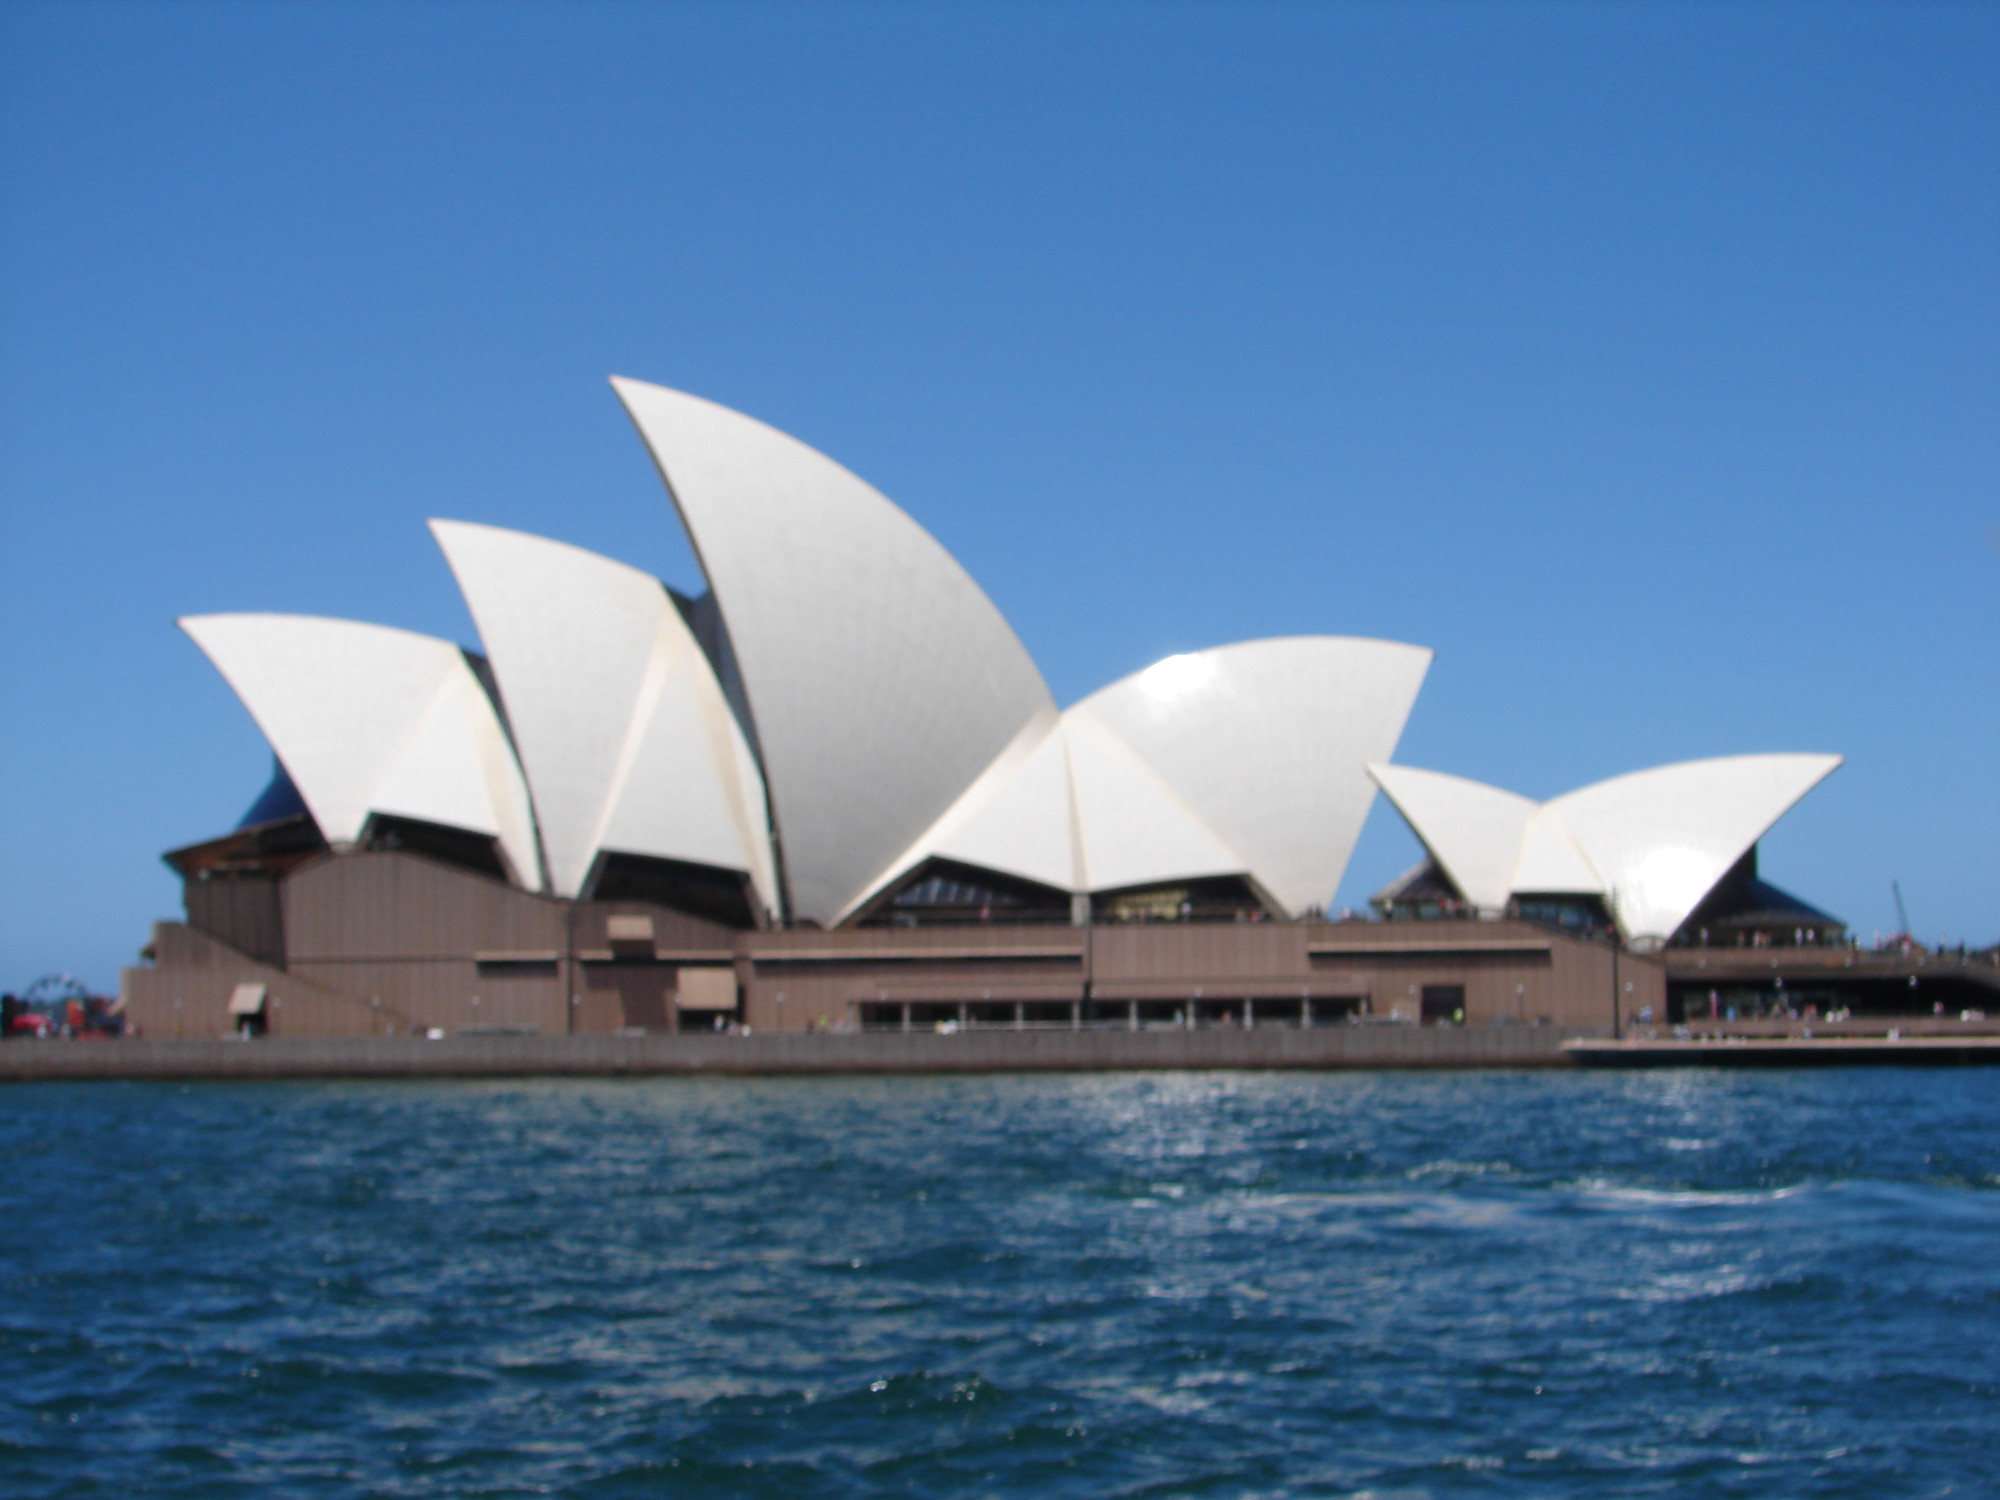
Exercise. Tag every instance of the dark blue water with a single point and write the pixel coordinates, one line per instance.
(1216, 1285)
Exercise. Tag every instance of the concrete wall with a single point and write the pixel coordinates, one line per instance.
(386, 943)
(921, 1052)
(429, 945)
(1179, 954)
(186, 990)
(370, 906)
(797, 981)
(1511, 972)
(243, 911)
(424, 944)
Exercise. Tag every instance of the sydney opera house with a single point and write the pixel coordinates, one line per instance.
(833, 791)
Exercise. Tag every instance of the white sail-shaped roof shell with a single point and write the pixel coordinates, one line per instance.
(881, 681)
(1076, 810)
(1268, 744)
(1132, 827)
(1552, 861)
(366, 719)
(1245, 760)
(1474, 831)
(1652, 843)
(1663, 838)
(1017, 818)
(627, 740)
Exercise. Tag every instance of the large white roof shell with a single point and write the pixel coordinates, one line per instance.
(366, 719)
(1552, 861)
(1132, 828)
(624, 733)
(1244, 760)
(1017, 818)
(1652, 843)
(881, 681)
(1076, 809)
(1268, 743)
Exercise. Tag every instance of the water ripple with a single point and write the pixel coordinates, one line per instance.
(1193, 1284)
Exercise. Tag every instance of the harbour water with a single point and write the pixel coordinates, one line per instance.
(1221, 1284)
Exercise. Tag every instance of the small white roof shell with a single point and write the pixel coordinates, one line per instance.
(626, 739)
(367, 719)
(881, 681)
(1653, 843)
(1663, 838)
(1474, 831)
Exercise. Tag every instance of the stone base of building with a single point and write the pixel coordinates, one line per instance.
(392, 944)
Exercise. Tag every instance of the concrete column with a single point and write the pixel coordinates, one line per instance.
(964, 1015)
(906, 1015)
(1020, 1016)
(1076, 1015)
(1133, 1024)
(1249, 1014)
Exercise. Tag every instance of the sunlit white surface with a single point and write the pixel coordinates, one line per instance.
(1016, 818)
(626, 739)
(1133, 828)
(1653, 843)
(1663, 837)
(882, 682)
(1552, 862)
(1075, 809)
(1268, 744)
(1244, 760)
(367, 719)
(1474, 831)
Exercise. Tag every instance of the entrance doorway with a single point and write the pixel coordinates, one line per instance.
(1444, 1005)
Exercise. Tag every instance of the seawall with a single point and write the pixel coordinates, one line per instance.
(1921, 1051)
(995, 1051)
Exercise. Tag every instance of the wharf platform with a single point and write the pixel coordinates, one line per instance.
(823, 1053)
(1737, 1051)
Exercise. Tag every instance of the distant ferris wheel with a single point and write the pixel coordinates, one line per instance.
(53, 989)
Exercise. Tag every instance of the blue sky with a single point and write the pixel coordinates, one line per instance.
(1642, 361)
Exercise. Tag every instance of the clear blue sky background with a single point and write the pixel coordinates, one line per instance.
(1643, 361)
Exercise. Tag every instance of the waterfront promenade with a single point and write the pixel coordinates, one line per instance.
(1807, 1051)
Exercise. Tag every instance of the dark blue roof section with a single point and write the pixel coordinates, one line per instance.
(1764, 899)
(1744, 899)
(278, 800)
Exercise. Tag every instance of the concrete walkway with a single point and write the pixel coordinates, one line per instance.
(1789, 1052)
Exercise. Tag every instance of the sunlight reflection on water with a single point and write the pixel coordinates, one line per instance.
(1229, 1284)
